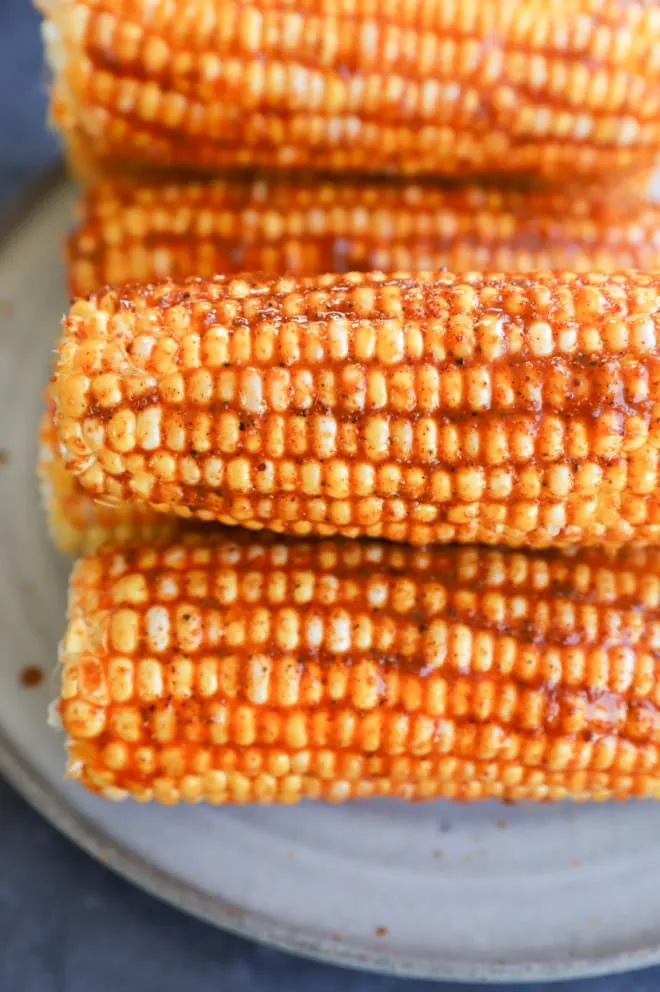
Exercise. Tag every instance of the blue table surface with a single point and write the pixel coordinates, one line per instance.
(111, 936)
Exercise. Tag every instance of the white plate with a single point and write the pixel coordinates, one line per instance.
(483, 892)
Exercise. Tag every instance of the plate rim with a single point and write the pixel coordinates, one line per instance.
(136, 870)
(16, 768)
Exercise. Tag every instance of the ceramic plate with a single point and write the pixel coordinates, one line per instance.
(486, 892)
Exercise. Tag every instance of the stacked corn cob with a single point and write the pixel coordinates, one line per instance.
(138, 231)
(228, 668)
(438, 409)
(543, 87)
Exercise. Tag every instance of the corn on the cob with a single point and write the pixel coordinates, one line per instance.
(548, 87)
(77, 523)
(138, 232)
(235, 668)
(516, 410)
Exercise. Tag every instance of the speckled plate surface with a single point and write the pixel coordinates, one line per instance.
(489, 892)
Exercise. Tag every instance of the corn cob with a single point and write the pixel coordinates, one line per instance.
(545, 87)
(138, 232)
(76, 523)
(234, 669)
(429, 408)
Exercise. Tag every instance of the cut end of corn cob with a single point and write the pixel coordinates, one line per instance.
(76, 523)
(239, 669)
(141, 232)
(420, 408)
(475, 87)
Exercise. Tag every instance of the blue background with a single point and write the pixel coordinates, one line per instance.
(112, 937)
